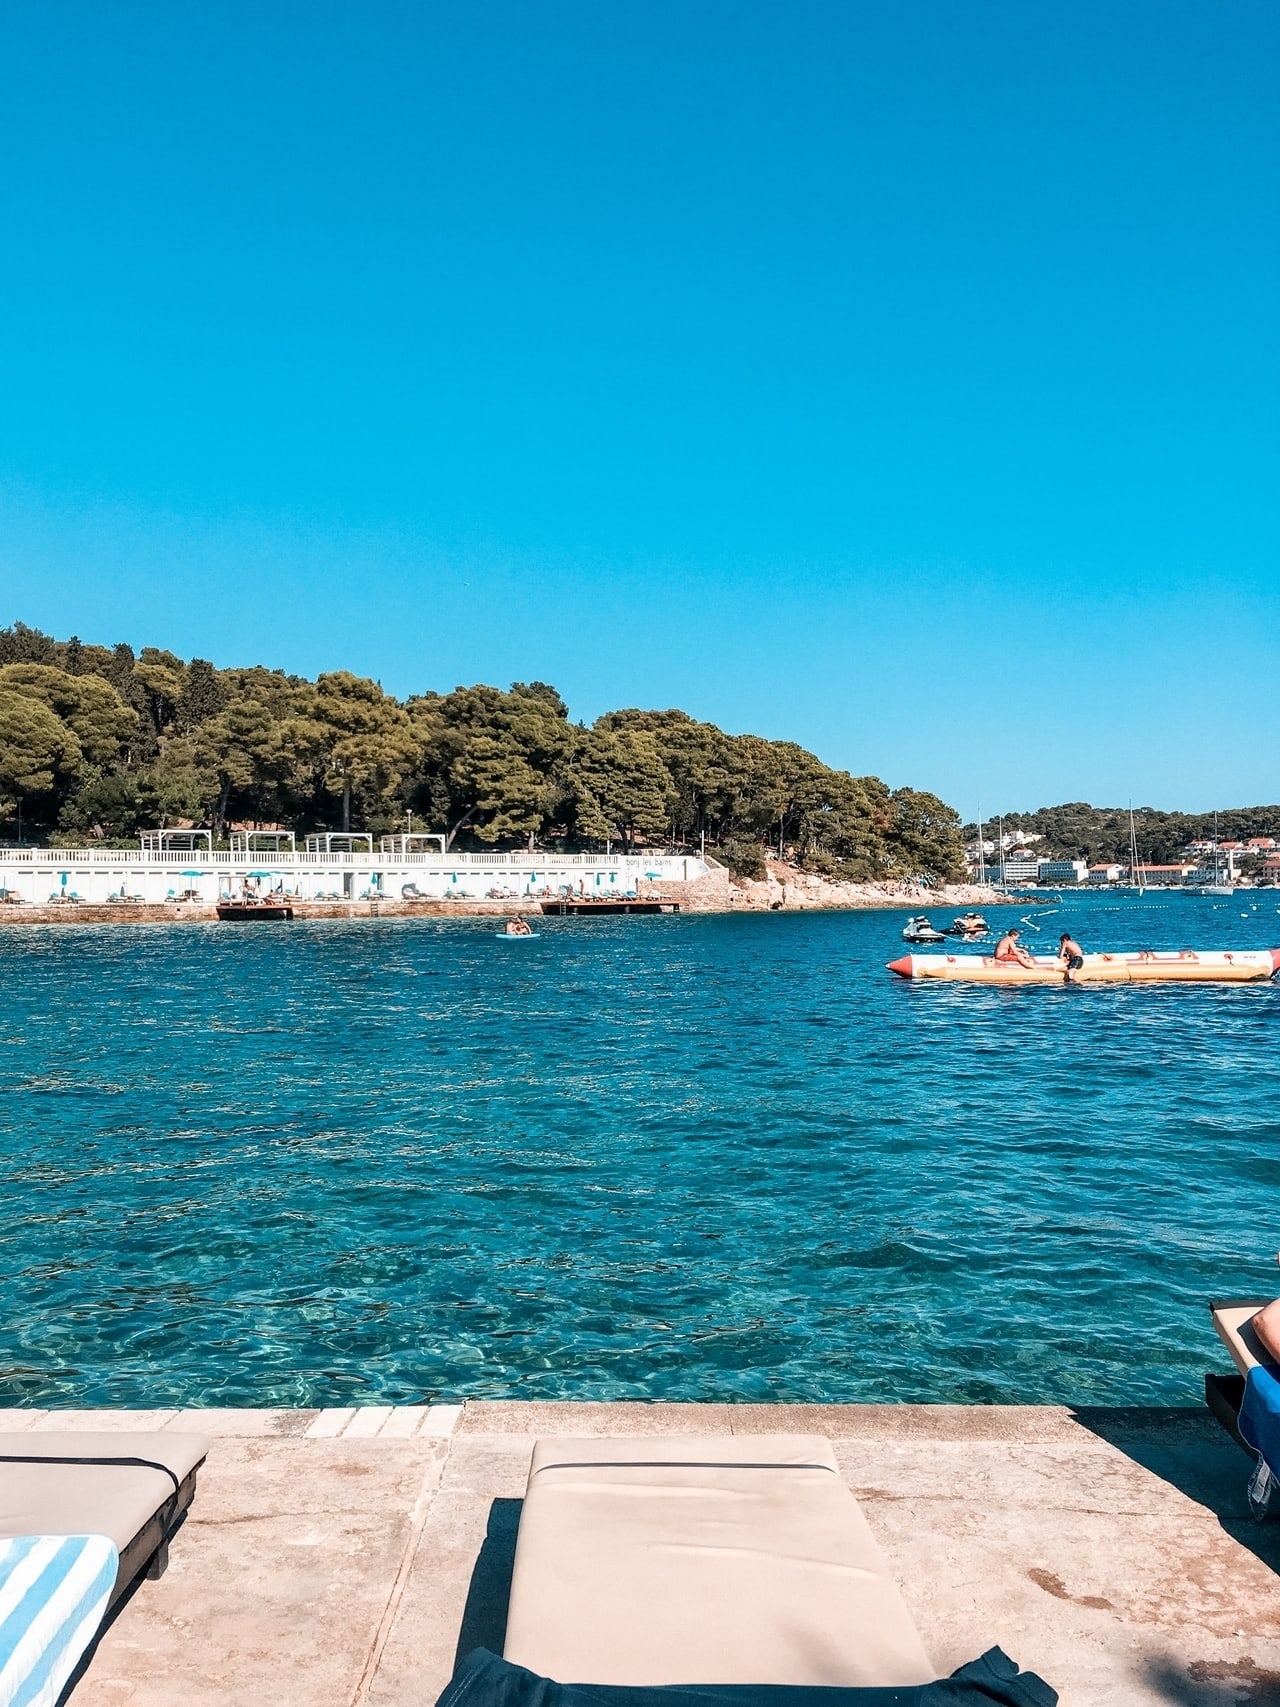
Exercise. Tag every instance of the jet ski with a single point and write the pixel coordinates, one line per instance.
(968, 924)
(919, 929)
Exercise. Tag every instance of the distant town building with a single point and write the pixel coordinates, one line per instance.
(1062, 871)
(1003, 852)
(1020, 870)
(1106, 873)
(1163, 875)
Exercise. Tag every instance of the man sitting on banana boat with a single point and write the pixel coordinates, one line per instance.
(1010, 952)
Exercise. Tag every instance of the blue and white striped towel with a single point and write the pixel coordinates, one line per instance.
(53, 1592)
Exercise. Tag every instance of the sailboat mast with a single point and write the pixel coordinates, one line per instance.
(982, 863)
(1135, 874)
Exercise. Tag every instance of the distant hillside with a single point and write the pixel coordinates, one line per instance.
(1097, 833)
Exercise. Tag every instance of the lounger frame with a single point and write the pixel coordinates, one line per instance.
(1224, 1394)
(147, 1555)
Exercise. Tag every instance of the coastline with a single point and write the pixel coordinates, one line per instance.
(799, 891)
(786, 889)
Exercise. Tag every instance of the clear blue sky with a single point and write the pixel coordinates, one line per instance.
(900, 379)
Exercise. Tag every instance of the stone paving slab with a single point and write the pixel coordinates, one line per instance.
(930, 1422)
(113, 1422)
(244, 1423)
(278, 1581)
(345, 1558)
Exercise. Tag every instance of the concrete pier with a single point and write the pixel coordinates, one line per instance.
(343, 1558)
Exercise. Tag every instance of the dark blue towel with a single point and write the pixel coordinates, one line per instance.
(1260, 1417)
(483, 1680)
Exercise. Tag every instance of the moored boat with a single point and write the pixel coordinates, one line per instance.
(919, 929)
(1233, 966)
(252, 912)
(580, 906)
(968, 924)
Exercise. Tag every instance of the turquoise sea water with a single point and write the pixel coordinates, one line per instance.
(694, 1158)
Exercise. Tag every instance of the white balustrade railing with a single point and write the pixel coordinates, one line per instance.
(265, 861)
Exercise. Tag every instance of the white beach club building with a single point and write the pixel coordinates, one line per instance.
(173, 865)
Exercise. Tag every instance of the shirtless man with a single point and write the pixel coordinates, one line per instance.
(1010, 952)
(1071, 957)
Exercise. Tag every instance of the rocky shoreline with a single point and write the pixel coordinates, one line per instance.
(788, 889)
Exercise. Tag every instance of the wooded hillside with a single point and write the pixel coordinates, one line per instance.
(1101, 833)
(99, 742)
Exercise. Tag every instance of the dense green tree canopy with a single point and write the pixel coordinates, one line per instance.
(89, 706)
(101, 741)
(36, 746)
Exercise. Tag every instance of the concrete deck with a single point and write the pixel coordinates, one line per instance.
(343, 1558)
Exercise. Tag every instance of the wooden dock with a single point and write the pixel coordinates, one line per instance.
(584, 906)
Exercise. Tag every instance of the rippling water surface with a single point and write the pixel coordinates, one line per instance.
(691, 1158)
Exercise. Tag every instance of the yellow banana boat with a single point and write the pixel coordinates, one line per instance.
(1237, 966)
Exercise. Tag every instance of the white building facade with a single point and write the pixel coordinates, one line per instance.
(182, 865)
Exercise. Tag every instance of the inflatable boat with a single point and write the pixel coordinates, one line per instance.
(1236, 966)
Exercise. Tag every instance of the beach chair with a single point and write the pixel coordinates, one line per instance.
(697, 1571)
(1223, 1394)
(703, 1560)
(133, 1488)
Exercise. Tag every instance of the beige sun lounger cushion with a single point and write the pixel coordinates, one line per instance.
(737, 1559)
(1233, 1324)
(71, 1491)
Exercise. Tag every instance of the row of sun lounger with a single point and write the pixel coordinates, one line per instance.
(694, 1571)
(707, 1567)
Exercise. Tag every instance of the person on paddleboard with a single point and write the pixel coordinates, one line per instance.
(517, 927)
(1071, 957)
(1010, 952)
